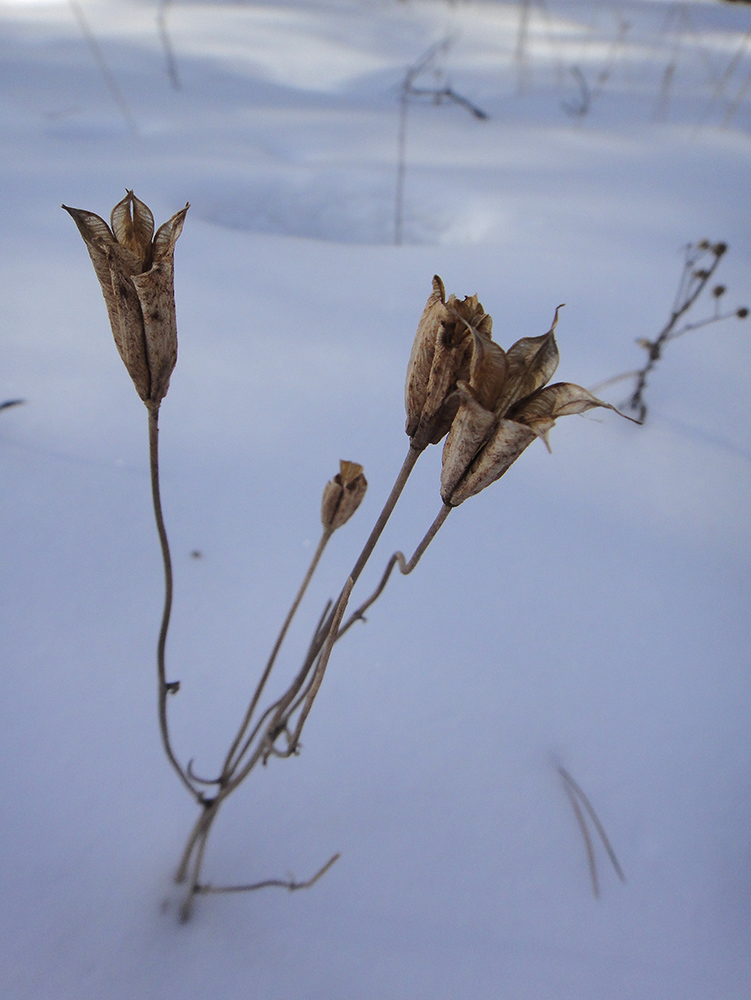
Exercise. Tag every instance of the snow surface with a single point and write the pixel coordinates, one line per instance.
(591, 610)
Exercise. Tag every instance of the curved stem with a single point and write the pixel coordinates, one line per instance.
(165, 687)
(404, 568)
(388, 508)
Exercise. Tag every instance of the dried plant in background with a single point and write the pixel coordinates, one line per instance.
(700, 263)
(164, 37)
(6, 404)
(582, 105)
(99, 58)
(440, 92)
(488, 404)
(577, 798)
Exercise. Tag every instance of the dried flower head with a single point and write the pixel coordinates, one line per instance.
(342, 495)
(136, 272)
(441, 355)
(503, 406)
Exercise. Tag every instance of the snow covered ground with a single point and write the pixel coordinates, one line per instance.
(590, 610)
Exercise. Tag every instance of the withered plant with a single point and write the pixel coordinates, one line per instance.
(440, 91)
(488, 403)
(701, 260)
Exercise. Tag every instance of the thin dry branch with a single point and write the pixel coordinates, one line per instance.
(99, 58)
(269, 883)
(576, 795)
(404, 568)
(694, 279)
(438, 94)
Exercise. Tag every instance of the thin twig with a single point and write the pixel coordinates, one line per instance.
(691, 284)
(404, 568)
(407, 90)
(722, 83)
(169, 55)
(587, 839)
(104, 69)
(195, 848)
(268, 883)
(571, 784)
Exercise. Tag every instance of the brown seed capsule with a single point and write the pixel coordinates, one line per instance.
(342, 495)
(441, 355)
(502, 410)
(136, 275)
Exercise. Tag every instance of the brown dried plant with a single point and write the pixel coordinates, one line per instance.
(489, 405)
(700, 262)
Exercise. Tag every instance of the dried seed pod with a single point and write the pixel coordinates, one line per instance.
(342, 495)
(441, 357)
(500, 414)
(136, 273)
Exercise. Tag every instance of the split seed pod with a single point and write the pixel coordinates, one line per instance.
(342, 495)
(136, 271)
(505, 404)
(440, 357)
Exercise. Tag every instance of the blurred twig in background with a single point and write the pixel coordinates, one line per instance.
(700, 263)
(169, 54)
(442, 91)
(577, 798)
(96, 51)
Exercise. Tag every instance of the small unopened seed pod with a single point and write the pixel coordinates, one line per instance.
(342, 495)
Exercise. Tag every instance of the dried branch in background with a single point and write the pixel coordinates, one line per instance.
(439, 93)
(700, 263)
(169, 54)
(109, 79)
(721, 86)
(269, 883)
(587, 95)
(577, 798)
(678, 24)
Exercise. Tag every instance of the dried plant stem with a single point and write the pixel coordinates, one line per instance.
(576, 796)
(249, 748)
(281, 712)
(165, 687)
(388, 509)
(690, 287)
(404, 568)
(229, 762)
(109, 79)
(576, 788)
(169, 55)
(587, 839)
(290, 884)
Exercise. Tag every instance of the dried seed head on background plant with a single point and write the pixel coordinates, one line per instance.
(342, 495)
(136, 272)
